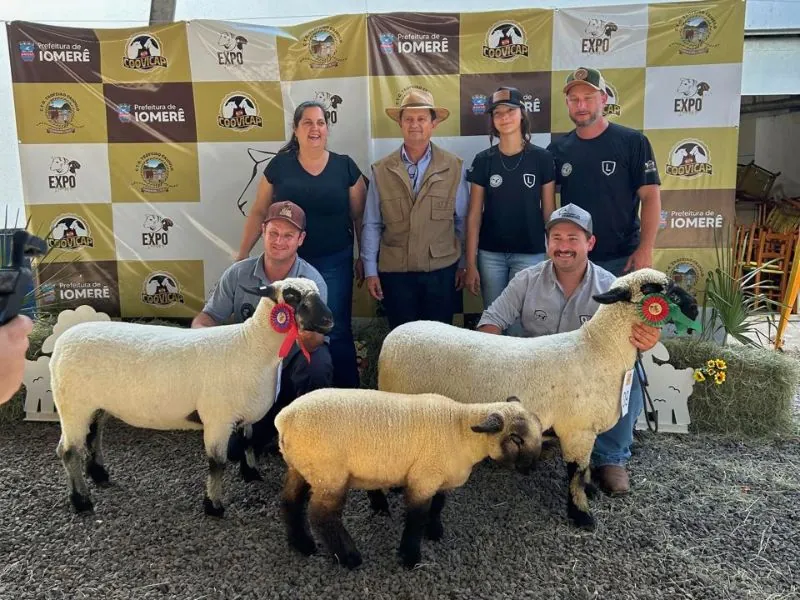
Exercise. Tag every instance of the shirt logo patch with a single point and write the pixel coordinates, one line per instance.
(495, 181)
(609, 166)
(540, 315)
(650, 166)
(529, 179)
(246, 311)
(584, 318)
(566, 169)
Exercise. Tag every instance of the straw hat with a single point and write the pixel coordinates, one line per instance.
(416, 98)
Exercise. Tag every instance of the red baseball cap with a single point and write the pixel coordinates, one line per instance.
(288, 211)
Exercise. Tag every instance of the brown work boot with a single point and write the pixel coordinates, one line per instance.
(612, 479)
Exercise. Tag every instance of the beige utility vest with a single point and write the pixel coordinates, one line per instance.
(419, 233)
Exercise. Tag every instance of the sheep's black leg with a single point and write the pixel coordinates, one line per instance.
(378, 502)
(95, 466)
(577, 502)
(294, 499)
(247, 467)
(417, 511)
(325, 513)
(79, 493)
(434, 529)
(216, 443)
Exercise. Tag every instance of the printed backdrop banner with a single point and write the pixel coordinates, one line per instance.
(141, 149)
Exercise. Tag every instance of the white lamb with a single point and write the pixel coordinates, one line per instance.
(571, 381)
(159, 377)
(333, 440)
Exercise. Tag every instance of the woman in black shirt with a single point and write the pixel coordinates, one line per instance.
(511, 197)
(330, 189)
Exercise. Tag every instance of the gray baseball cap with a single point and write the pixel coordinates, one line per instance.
(573, 214)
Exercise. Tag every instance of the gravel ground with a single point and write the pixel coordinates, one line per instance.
(707, 518)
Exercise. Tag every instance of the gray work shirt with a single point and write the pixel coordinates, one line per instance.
(535, 296)
(229, 299)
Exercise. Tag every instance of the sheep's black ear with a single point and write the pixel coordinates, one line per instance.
(492, 424)
(265, 291)
(292, 297)
(613, 295)
(513, 399)
(652, 288)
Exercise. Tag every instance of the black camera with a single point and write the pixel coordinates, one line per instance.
(17, 277)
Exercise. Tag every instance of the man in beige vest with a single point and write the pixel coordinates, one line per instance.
(413, 232)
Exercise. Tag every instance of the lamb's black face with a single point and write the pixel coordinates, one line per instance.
(311, 313)
(518, 436)
(521, 445)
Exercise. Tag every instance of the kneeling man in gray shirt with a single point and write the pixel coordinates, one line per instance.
(555, 296)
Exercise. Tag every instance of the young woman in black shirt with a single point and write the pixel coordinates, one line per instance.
(512, 195)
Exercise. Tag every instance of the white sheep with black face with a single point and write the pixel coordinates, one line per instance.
(334, 440)
(158, 377)
(571, 381)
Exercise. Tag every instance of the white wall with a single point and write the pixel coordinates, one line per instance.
(777, 148)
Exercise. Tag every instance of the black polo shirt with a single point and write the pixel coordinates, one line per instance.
(602, 175)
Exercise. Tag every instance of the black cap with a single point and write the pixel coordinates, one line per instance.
(509, 96)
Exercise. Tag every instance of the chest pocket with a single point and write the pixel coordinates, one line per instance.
(442, 207)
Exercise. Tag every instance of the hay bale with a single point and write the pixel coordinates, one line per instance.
(755, 400)
(369, 335)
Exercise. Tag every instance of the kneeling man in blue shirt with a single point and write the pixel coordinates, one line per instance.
(283, 233)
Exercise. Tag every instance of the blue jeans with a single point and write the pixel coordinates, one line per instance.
(497, 269)
(614, 446)
(337, 271)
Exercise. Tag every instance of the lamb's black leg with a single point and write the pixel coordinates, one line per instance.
(577, 502)
(417, 511)
(434, 530)
(95, 466)
(378, 502)
(294, 499)
(325, 513)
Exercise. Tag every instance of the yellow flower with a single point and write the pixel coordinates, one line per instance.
(698, 375)
(719, 378)
(711, 364)
(721, 364)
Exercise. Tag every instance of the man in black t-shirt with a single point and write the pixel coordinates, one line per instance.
(608, 170)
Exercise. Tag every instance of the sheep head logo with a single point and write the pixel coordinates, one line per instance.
(144, 52)
(689, 158)
(161, 289)
(239, 112)
(70, 232)
(505, 41)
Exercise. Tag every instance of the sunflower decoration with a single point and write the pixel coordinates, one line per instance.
(715, 370)
(654, 309)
